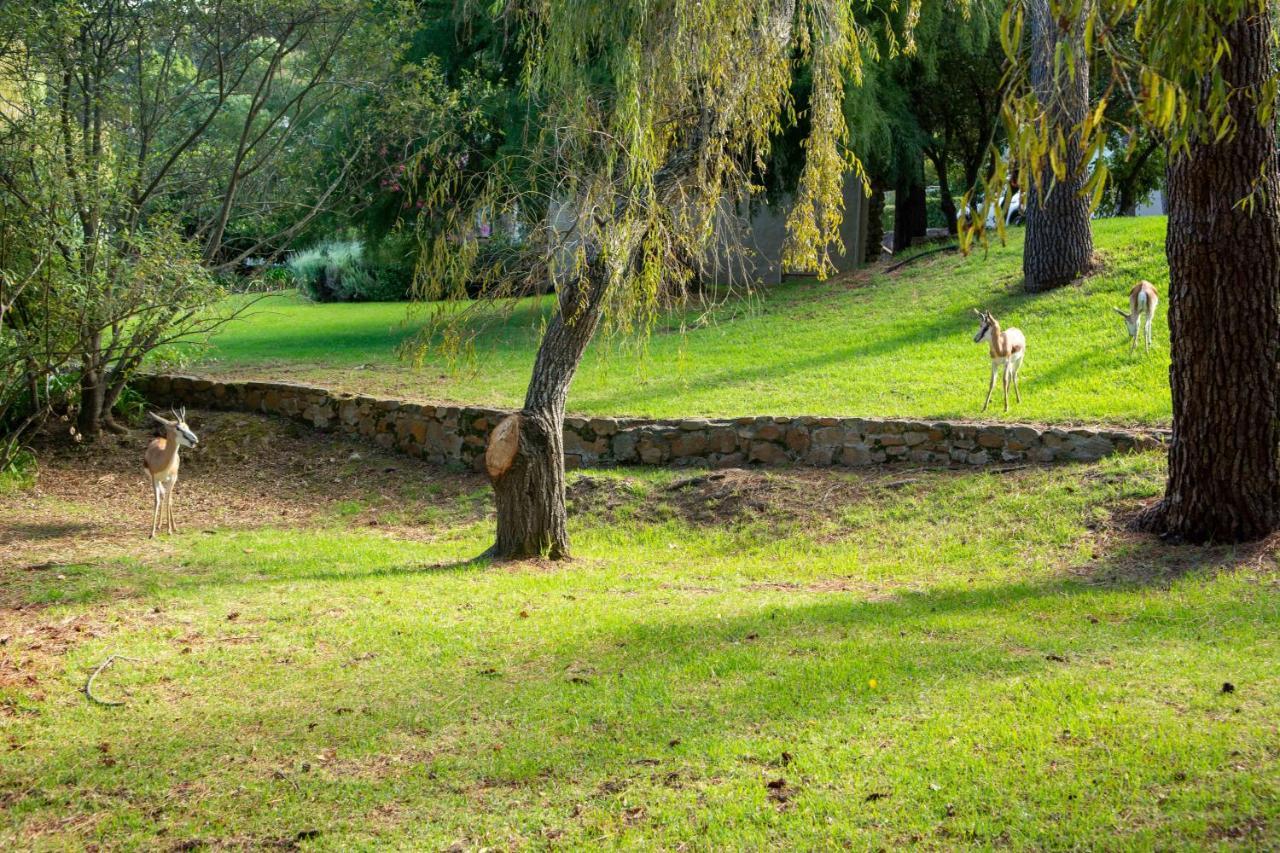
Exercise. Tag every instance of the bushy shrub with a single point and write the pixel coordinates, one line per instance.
(344, 271)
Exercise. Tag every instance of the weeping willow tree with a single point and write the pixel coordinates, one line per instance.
(646, 119)
(1202, 76)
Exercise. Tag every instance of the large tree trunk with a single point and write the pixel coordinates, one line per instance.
(947, 201)
(93, 389)
(1059, 241)
(1224, 295)
(1127, 203)
(910, 210)
(529, 493)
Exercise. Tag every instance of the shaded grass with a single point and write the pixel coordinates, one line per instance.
(945, 662)
(867, 344)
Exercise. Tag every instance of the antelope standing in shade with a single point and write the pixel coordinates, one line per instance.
(161, 461)
(1007, 349)
(1142, 310)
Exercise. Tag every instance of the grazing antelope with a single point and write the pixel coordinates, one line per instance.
(161, 461)
(1142, 306)
(1007, 349)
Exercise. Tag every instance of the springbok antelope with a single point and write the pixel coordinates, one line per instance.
(1007, 349)
(161, 461)
(1142, 307)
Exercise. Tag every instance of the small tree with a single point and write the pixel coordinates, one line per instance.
(649, 116)
(163, 144)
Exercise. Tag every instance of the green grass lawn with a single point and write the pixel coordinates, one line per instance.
(861, 345)
(874, 660)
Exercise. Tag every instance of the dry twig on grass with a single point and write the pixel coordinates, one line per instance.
(88, 685)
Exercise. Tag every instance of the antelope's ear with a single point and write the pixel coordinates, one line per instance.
(182, 416)
(976, 311)
(157, 418)
(1124, 314)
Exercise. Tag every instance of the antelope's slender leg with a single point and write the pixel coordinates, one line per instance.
(1004, 382)
(155, 515)
(169, 506)
(1017, 368)
(991, 387)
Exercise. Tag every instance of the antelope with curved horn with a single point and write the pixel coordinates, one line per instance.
(1007, 349)
(161, 462)
(1142, 310)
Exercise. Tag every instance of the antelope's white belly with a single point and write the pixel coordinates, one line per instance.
(1017, 345)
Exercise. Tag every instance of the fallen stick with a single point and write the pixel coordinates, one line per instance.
(901, 264)
(88, 685)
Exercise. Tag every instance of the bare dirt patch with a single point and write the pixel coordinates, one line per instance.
(249, 471)
(732, 496)
(1121, 556)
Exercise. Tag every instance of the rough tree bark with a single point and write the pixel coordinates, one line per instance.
(529, 493)
(1224, 299)
(910, 211)
(946, 199)
(92, 394)
(1059, 241)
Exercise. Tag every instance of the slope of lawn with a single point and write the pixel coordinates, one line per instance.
(946, 659)
(865, 344)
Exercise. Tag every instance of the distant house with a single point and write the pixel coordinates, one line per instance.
(750, 237)
(1153, 205)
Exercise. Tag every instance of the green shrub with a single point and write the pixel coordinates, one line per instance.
(131, 406)
(19, 472)
(343, 271)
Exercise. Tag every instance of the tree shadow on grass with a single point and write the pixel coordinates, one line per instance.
(45, 530)
(627, 694)
(633, 400)
(1127, 558)
(125, 578)
(714, 702)
(951, 324)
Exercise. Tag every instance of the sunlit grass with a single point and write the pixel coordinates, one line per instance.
(961, 659)
(882, 345)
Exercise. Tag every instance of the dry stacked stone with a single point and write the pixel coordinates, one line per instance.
(458, 434)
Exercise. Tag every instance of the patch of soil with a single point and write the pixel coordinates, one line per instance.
(1122, 556)
(715, 498)
(869, 591)
(248, 471)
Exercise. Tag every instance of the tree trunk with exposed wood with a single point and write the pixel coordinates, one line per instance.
(528, 479)
(1059, 239)
(529, 490)
(1224, 318)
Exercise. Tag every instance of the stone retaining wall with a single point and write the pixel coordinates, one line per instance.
(458, 434)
